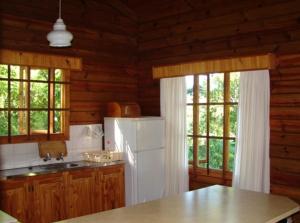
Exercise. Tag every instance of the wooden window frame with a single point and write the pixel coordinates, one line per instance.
(36, 135)
(225, 173)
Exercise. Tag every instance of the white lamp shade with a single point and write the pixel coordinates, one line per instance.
(59, 36)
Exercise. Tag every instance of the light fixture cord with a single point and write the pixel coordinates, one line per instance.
(59, 9)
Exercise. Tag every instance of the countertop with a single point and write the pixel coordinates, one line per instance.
(213, 204)
(5, 218)
(51, 168)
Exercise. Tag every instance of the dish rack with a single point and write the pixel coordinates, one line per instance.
(102, 156)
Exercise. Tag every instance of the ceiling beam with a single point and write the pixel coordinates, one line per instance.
(122, 8)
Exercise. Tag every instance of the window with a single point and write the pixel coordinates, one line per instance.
(212, 103)
(33, 103)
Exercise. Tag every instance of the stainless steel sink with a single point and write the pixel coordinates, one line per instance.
(60, 166)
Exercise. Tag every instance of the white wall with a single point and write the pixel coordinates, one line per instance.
(27, 154)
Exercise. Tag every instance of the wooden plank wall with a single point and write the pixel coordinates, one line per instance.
(103, 36)
(169, 31)
(191, 30)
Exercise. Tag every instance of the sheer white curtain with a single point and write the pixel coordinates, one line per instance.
(173, 109)
(252, 165)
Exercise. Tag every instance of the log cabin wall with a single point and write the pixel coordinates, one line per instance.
(179, 31)
(169, 31)
(104, 37)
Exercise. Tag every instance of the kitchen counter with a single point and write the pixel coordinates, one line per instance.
(5, 218)
(213, 204)
(52, 168)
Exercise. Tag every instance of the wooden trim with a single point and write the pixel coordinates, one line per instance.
(226, 121)
(39, 60)
(207, 121)
(50, 98)
(51, 101)
(195, 120)
(28, 102)
(212, 137)
(9, 103)
(258, 62)
(66, 104)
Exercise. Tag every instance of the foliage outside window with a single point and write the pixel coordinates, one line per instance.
(212, 103)
(33, 104)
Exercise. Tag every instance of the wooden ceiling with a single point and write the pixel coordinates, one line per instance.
(112, 16)
(156, 9)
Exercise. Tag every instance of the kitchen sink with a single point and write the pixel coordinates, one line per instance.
(60, 166)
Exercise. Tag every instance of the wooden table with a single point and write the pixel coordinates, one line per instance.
(213, 204)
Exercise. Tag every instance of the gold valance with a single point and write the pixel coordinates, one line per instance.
(39, 60)
(259, 62)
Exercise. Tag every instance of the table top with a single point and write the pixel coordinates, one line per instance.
(5, 218)
(213, 204)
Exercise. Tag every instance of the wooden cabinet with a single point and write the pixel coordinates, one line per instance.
(111, 188)
(13, 194)
(53, 197)
(81, 192)
(34, 199)
(48, 198)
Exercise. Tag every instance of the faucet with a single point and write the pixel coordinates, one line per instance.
(47, 157)
(60, 157)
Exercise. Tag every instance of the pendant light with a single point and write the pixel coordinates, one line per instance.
(59, 36)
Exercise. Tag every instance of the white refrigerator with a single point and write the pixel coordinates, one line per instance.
(142, 142)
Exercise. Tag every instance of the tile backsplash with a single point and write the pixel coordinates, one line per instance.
(82, 138)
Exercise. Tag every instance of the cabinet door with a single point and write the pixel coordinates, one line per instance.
(81, 192)
(13, 194)
(112, 187)
(48, 198)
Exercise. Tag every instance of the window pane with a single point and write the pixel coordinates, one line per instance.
(202, 149)
(38, 121)
(203, 88)
(215, 153)
(189, 80)
(58, 121)
(3, 123)
(3, 71)
(18, 72)
(189, 119)
(58, 75)
(234, 86)
(38, 95)
(18, 91)
(58, 95)
(233, 120)
(39, 74)
(216, 87)
(216, 114)
(231, 149)
(3, 94)
(18, 122)
(203, 120)
(190, 148)
(203, 165)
